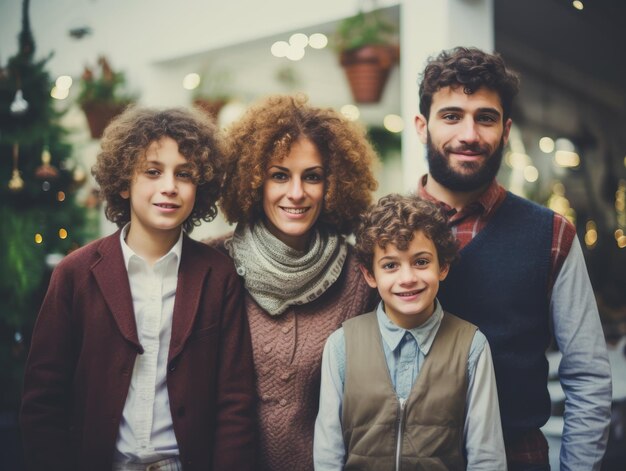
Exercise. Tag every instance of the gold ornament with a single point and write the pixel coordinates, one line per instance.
(46, 171)
(79, 175)
(16, 183)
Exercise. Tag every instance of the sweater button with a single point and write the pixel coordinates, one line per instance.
(285, 376)
(267, 348)
(286, 329)
(283, 402)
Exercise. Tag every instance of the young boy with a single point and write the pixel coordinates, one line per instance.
(141, 355)
(408, 384)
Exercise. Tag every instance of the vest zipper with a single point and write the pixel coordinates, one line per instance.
(400, 424)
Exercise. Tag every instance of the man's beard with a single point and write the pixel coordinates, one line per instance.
(478, 176)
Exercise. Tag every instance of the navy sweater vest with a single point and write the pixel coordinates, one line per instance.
(499, 283)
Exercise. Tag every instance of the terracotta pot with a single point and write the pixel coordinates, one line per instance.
(367, 70)
(100, 114)
(210, 107)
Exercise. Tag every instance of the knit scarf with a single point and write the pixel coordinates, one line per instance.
(278, 276)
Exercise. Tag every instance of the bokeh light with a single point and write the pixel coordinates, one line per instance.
(59, 93)
(393, 123)
(351, 112)
(546, 144)
(191, 81)
(299, 40)
(531, 174)
(280, 49)
(318, 41)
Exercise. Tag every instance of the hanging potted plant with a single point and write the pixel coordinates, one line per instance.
(101, 97)
(368, 49)
(213, 92)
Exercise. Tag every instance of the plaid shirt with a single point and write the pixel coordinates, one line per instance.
(474, 217)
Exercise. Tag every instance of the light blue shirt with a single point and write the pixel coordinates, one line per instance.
(405, 352)
(584, 372)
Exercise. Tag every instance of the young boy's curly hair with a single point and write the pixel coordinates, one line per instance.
(268, 130)
(471, 69)
(395, 219)
(124, 147)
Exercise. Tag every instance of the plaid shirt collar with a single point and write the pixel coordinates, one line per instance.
(486, 203)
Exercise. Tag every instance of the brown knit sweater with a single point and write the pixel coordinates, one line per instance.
(287, 357)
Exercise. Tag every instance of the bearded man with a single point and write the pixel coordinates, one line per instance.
(521, 276)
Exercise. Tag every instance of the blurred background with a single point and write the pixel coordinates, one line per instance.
(68, 66)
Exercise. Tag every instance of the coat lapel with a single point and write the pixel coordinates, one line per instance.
(193, 270)
(112, 278)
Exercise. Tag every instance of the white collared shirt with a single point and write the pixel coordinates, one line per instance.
(146, 431)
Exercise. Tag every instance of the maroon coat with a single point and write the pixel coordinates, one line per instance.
(84, 347)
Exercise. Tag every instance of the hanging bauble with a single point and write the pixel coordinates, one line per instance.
(93, 199)
(79, 175)
(46, 171)
(16, 183)
(19, 105)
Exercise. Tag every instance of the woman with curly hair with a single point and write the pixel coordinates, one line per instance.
(297, 180)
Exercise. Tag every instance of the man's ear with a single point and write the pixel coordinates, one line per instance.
(369, 278)
(125, 194)
(421, 126)
(506, 131)
(443, 272)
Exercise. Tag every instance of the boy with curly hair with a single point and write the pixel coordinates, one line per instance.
(408, 384)
(141, 355)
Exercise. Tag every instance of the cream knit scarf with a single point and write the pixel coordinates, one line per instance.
(278, 276)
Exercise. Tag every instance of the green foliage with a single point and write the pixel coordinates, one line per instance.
(44, 204)
(215, 84)
(385, 142)
(107, 86)
(365, 29)
(21, 265)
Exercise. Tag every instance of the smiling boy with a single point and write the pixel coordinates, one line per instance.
(141, 355)
(408, 384)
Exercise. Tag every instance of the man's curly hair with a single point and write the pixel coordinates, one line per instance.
(395, 219)
(471, 69)
(124, 146)
(268, 130)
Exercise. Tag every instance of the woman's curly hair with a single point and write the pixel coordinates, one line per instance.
(471, 69)
(395, 219)
(268, 130)
(124, 146)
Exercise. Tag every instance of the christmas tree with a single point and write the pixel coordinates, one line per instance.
(40, 220)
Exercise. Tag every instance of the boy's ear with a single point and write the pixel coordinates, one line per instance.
(125, 194)
(369, 278)
(443, 272)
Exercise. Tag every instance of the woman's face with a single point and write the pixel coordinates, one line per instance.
(293, 193)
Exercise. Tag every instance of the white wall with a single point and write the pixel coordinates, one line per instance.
(138, 32)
